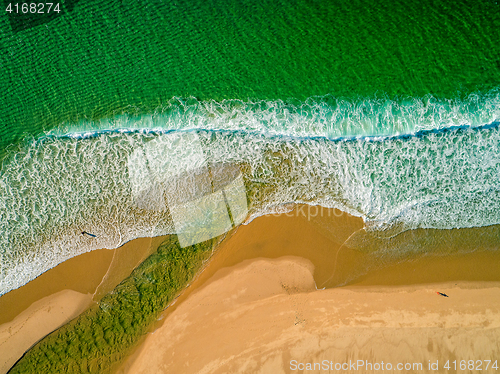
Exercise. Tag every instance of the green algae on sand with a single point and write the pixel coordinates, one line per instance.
(97, 340)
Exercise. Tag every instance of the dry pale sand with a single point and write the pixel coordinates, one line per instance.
(29, 313)
(264, 313)
(255, 308)
(41, 318)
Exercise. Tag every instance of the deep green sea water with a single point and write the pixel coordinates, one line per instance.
(102, 58)
(387, 110)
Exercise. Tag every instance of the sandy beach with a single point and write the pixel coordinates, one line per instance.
(29, 313)
(227, 132)
(280, 293)
(40, 319)
(266, 314)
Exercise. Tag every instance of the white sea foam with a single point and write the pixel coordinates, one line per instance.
(324, 116)
(56, 187)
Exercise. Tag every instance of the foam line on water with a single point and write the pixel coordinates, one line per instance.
(53, 188)
(324, 116)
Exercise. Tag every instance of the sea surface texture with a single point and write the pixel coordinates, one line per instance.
(138, 118)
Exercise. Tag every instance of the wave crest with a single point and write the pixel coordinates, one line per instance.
(53, 188)
(321, 116)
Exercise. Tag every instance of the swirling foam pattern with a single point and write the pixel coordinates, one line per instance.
(324, 116)
(76, 178)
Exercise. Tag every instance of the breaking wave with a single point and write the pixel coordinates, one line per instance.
(413, 163)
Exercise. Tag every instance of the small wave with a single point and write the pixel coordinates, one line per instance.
(323, 116)
(55, 187)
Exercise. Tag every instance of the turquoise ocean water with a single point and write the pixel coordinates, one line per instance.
(388, 111)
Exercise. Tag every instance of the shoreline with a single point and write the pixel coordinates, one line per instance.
(264, 313)
(38, 320)
(271, 238)
(29, 313)
(318, 247)
(81, 273)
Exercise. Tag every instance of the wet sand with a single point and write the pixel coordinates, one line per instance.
(256, 306)
(263, 314)
(81, 274)
(38, 320)
(29, 313)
